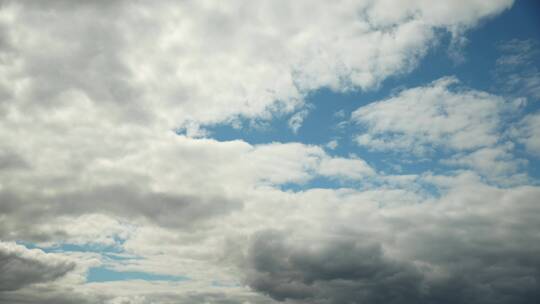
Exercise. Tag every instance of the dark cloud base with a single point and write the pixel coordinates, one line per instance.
(18, 270)
(357, 271)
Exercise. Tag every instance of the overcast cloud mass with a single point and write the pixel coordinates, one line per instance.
(265, 152)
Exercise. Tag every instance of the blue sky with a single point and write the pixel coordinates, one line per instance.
(270, 152)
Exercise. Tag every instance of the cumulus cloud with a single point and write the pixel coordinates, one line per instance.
(350, 168)
(91, 97)
(180, 182)
(20, 267)
(332, 272)
(422, 119)
(471, 245)
(496, 163)
(178, 62)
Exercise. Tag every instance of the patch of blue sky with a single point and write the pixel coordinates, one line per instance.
(104, 274)
(120, 256)
(112, 255)
(72, 247)
(319, 182)
(322, 182)
(89, 248)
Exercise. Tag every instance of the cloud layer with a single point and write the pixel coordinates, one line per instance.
(105, 161)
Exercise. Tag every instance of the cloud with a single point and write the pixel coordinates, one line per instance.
(348, 168)
(11, 161)
(493, 162)
(93, 91)
(181, 62)
(295, 122)
(527, 132)
(471, 245)
(516, 73)
(91, 94)
(332, 272)
(130, 293)
(422, 119)
(171, 180)
(20, 267)
(333, 144)
(517, 52)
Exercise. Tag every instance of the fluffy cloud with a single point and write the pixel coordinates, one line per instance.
(496, 163)
(170, 180)
(331, 272)
(345, 168)
(196, 61)
(90, 96)
(422, 119)
(474, 244)
(20, 267)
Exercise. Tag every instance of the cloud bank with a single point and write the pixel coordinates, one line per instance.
(106, 162)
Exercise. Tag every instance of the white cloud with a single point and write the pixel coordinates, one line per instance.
(421, 119)
(332, 144)
(497, 163)
(172, 63)
(348, 168)
(295, 122)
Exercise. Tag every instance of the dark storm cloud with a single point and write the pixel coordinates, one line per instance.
(20, 267)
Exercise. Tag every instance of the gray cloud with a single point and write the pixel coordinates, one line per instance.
(350, 271)
(124, 201)
(465, 248)
(20, 267)
(12, 161)
(54, 296)
(337, 271)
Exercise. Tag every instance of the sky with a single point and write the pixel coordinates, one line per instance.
(265, 152)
